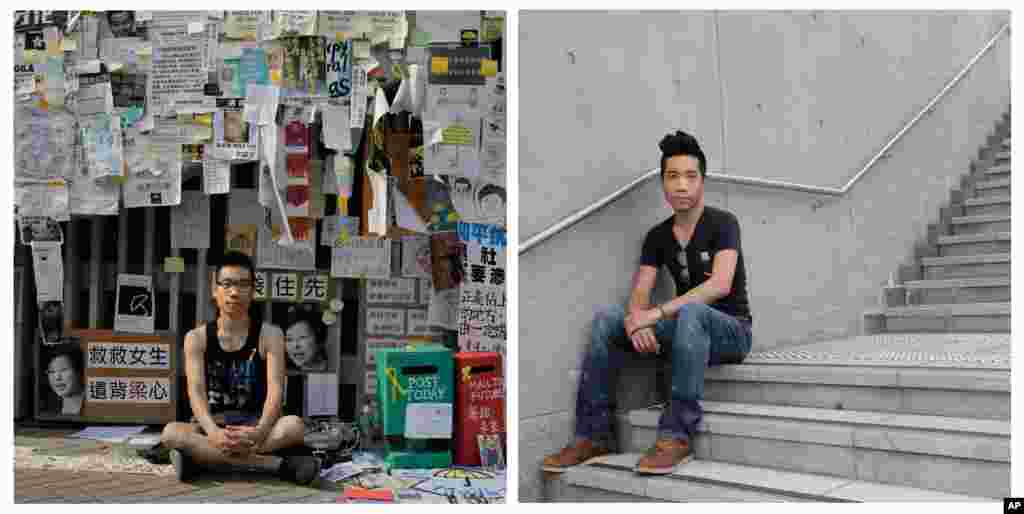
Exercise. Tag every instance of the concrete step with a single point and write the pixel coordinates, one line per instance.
(957, 455)
(966, 266)
(974, 244)
(958, 317)
(613, 480)
(992, 187)
(889, 385)
(980, 224)
(994, 205)
(958, 290)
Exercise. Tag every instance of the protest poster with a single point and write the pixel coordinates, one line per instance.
(177, 78)
(38, 229)
(391, 290)
(293, 23)
(274, 252)
(244, 25)
(336, 24)
(119, 355)
(135, 304)
(385, 322)
(155, 179)
(233, 137)
(102, 145)
(339, 68)
(481, 320)
(48, 266)
(41, 198)
(416, 256)
(418, 324)
(95, 95)
(130, 378)
(190, 221)
(44, 144)
(362, 257)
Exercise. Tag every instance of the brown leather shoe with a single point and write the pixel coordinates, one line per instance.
(582, 452)
(663, 458)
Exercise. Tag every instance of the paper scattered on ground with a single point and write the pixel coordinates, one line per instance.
(117, 434)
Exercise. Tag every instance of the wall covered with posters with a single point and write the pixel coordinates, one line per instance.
(148, 143)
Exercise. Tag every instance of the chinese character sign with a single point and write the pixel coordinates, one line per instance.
(481, 317)
(128, 389)
(128, 355)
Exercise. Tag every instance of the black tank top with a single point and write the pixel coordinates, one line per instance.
(235, 381)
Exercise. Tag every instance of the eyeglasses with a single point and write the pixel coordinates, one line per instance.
(241, 285)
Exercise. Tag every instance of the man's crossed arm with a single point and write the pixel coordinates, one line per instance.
(642, 316)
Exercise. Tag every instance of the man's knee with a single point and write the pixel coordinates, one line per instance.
(174, 432)
(291, 427)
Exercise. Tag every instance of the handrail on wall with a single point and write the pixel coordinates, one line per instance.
(754, 181)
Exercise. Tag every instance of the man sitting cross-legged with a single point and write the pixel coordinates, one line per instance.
(234, 368)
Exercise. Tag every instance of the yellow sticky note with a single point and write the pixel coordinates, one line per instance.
(439, 65)
(118, 179)
(174, 264)
(488, 67)
(70, 45)
(457, 135)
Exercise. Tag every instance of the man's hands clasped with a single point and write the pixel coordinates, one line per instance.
(640, 329)
(238, 441)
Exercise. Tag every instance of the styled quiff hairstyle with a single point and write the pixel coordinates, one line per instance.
(681, 143)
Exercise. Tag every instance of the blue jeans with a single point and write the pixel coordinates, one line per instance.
(699, 336)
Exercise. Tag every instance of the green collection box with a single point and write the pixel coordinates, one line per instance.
(416, 397)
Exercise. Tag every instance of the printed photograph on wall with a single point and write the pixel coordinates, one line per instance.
(307, 328)
(62, 379)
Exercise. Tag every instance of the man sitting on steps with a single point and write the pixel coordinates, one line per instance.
(707, 323)
(234, 368)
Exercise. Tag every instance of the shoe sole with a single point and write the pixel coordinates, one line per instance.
(661, 471)
(592, 460)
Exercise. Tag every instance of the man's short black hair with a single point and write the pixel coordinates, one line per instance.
(681, 143)
(239, 259)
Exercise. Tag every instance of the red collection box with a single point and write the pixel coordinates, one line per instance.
(479, 403)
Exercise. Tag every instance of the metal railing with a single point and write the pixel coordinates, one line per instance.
(761, 182)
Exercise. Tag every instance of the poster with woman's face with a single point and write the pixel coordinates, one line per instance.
(307, 328)
(61, 387)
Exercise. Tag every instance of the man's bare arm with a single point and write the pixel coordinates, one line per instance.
(716, 287)
(643, 284)
(274, 346)
(195, 375)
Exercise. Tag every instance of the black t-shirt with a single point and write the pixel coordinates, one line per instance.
(716, 230)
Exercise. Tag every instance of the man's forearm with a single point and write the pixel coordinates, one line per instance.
(271, 413)
(201, 412)
(704, 293)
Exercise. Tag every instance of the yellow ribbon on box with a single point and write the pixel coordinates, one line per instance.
(396, 386)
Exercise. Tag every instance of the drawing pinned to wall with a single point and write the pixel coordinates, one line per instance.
(135, 304)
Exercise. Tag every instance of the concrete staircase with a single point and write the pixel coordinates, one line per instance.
(960, 280)
(916, 410)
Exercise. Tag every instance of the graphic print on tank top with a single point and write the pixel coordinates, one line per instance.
(232, 384)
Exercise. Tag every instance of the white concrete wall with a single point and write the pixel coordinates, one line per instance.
(803, 97)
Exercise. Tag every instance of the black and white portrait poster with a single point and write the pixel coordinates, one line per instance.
(62, 381)
(135, 304)
(33, 229)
